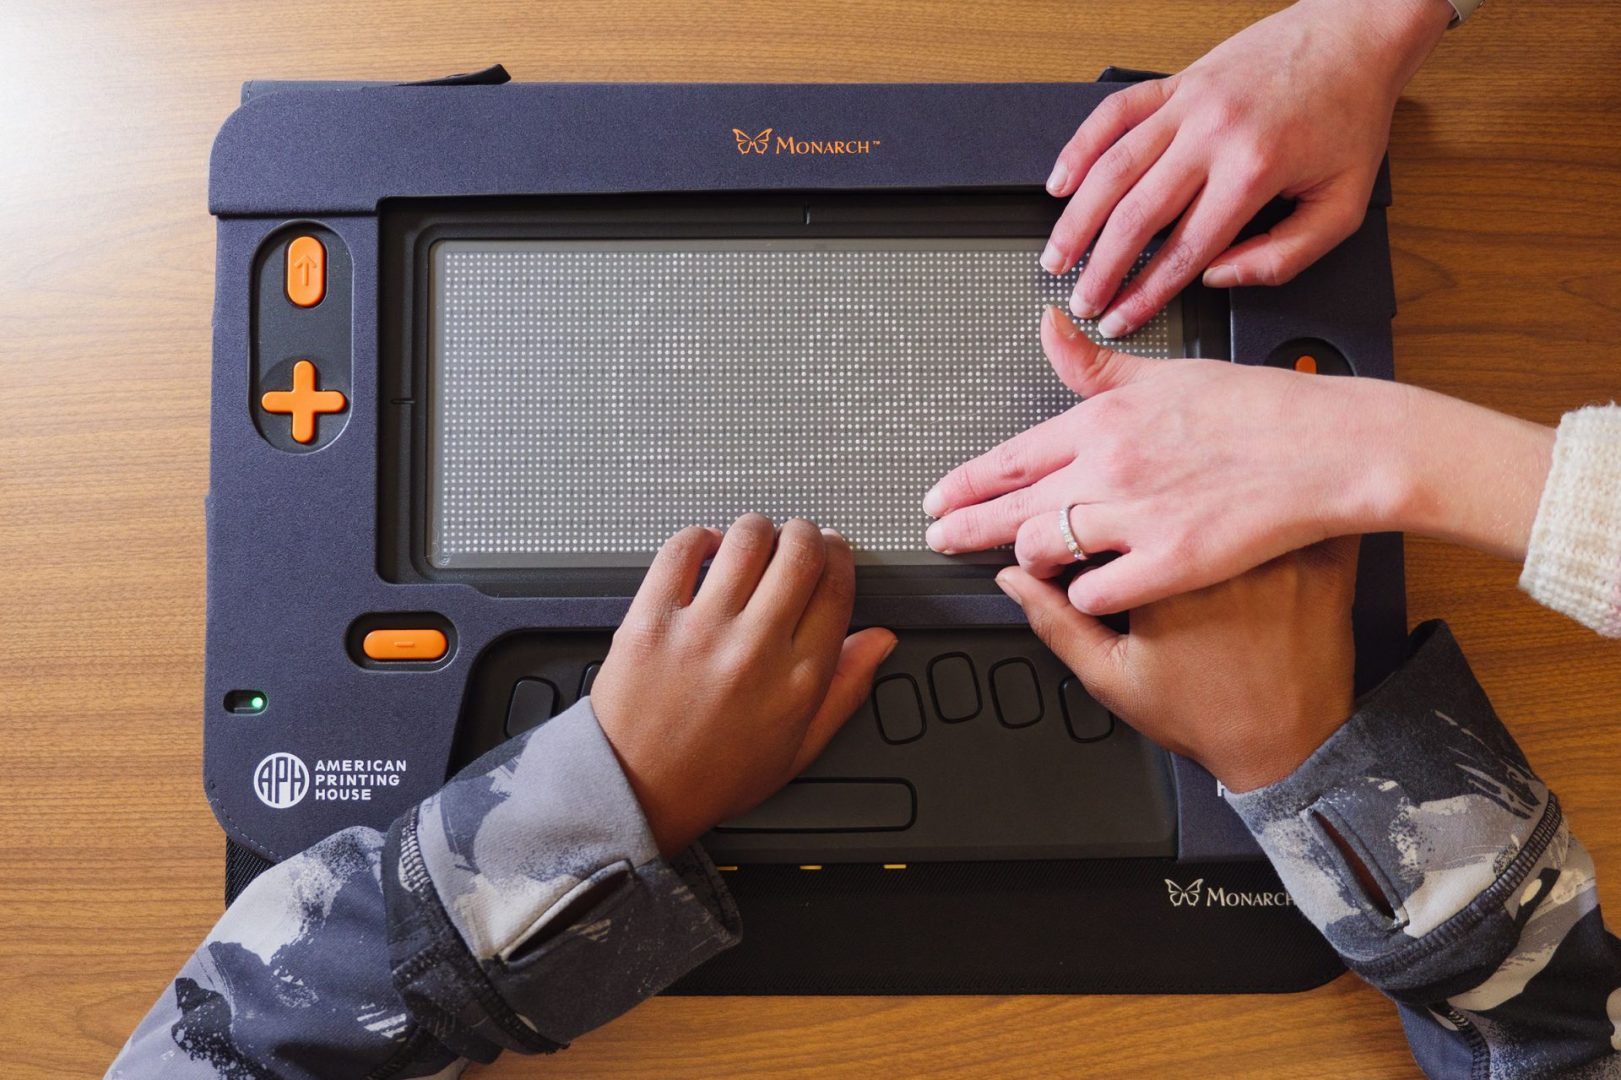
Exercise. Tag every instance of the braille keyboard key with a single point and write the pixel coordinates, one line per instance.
(1086, 719)
(830, 806)
(533, 701)
(899, 707)
(1015, 693)
(956, 690)
(590, 678)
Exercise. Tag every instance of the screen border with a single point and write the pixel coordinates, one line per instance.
(410, 229)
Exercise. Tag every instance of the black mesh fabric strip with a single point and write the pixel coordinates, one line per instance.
(242, 865)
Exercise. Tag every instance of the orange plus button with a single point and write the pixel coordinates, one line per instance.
(306, 271)
(304, 402)
(404, 644)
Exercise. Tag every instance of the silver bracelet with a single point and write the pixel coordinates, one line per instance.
(1464, 9)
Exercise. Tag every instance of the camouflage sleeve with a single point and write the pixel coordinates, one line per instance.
(522, 905)
(1421, 844)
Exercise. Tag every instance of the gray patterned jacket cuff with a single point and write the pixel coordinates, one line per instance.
(530, 902)
(1429, 791)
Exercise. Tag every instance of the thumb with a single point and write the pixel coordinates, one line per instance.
(1084, 366)
(1090, 649)
(1314, 229)
(852, 682)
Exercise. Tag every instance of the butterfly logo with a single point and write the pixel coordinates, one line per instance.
(752, 144)
(1188, 895)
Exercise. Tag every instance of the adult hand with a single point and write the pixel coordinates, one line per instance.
(1247, 677)
(715, 697)
(1197, 470)
(1298, 105)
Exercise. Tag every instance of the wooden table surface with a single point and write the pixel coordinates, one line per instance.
(1507, 238)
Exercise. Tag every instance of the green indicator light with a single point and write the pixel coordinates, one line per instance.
(246, 702)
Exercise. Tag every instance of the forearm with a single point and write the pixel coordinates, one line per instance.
(1404, 31)
(1420, 842)
(1439, 467)
(521, 906)
(536, 875)
(293, 981)
(1454, 471)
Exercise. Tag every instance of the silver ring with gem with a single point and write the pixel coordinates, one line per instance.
(1068, 534)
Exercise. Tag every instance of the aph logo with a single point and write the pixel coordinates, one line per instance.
(281, 780)
(1188, 895)
(752, 144)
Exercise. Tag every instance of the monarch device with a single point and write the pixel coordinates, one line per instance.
(480, 346)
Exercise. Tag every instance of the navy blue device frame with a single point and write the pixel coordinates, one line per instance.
(293, 538)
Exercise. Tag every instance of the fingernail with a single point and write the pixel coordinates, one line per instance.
(893, 641)
(1062, 325)
(1221, 277)
(1112, 325)
(1057, 178)
(934, 503)
(935, 537)
(1052, 260)
(1082, 309)
(1005, 583)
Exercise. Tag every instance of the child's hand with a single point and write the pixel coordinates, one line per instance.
(1297, 105)
(714, 701)
(1247, 677)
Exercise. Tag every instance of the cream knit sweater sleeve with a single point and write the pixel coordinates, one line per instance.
(1573, 562)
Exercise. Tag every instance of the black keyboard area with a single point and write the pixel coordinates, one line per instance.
(974, 745)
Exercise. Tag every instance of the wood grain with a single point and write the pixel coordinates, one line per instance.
(1507, 237)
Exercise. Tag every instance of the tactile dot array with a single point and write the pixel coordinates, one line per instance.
(590, 400)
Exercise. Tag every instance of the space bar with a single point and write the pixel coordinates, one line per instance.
(831, 806)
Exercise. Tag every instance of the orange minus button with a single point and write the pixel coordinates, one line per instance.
(306, 271)
(404, 644)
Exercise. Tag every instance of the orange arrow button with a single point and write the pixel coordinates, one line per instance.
(306, 271)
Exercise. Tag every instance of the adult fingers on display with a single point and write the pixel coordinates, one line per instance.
(714, 696)
(1193, 470)
(1298, 105)
(1247, 677)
